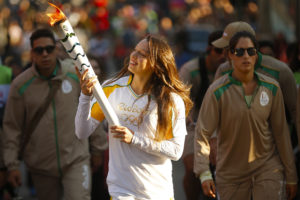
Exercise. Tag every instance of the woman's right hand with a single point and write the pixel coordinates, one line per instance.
(86, 84)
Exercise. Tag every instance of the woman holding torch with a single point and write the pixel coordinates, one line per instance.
(151, 104)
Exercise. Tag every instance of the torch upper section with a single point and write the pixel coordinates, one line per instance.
(57, 17)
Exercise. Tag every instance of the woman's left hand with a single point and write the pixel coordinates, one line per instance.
(123, 133)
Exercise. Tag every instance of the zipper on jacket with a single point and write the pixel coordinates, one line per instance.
(56, 136)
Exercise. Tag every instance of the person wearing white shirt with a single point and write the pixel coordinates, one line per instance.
(151, 103)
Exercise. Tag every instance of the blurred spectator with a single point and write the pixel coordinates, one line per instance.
(181, 51)
(5, 81)
(266, 47)
(293, 53)
(129, 20)
(198, 72)
(99, 45)
(61, 51)
(14, 62)
(280, 46)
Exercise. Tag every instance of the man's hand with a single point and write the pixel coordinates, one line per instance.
(291, 191)
(14, 178)
(209, 188)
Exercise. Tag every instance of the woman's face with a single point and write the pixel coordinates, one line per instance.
(244, 56)
(139, 63)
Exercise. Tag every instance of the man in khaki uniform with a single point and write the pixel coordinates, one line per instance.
(58, 161)
(199, 73)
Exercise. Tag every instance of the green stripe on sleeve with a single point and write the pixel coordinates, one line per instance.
(270, 86)
(219, 91)
(194, 73)
(272, 72)
(227, 71)
(73, 76)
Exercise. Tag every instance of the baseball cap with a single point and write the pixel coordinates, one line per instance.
(230, 30)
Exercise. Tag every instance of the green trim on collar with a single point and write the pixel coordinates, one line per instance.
(26, 85)
(233, 80)
(52, 75)
(269, 86)
(134, 94)
(259, 59)
(237, 82)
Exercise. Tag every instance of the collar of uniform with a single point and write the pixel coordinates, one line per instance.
(54, 73)
(259, 59)
(236, 82)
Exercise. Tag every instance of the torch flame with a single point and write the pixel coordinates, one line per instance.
(57, 16)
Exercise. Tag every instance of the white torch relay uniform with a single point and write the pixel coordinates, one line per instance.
(142, 169)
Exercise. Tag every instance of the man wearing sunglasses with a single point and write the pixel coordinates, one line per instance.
(198, 72)
(39, 126)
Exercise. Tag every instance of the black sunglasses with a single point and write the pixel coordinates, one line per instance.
(240, 51)
(40, 50)
(218, 50)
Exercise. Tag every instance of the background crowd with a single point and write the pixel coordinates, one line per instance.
(109, 29)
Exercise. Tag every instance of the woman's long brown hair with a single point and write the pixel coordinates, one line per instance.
(162, 83)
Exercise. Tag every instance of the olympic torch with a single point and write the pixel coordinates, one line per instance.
(69, 40)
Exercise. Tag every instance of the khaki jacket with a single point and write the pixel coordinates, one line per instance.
(248, 136)
(53, 146)
(190, 74)
(278, 70)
